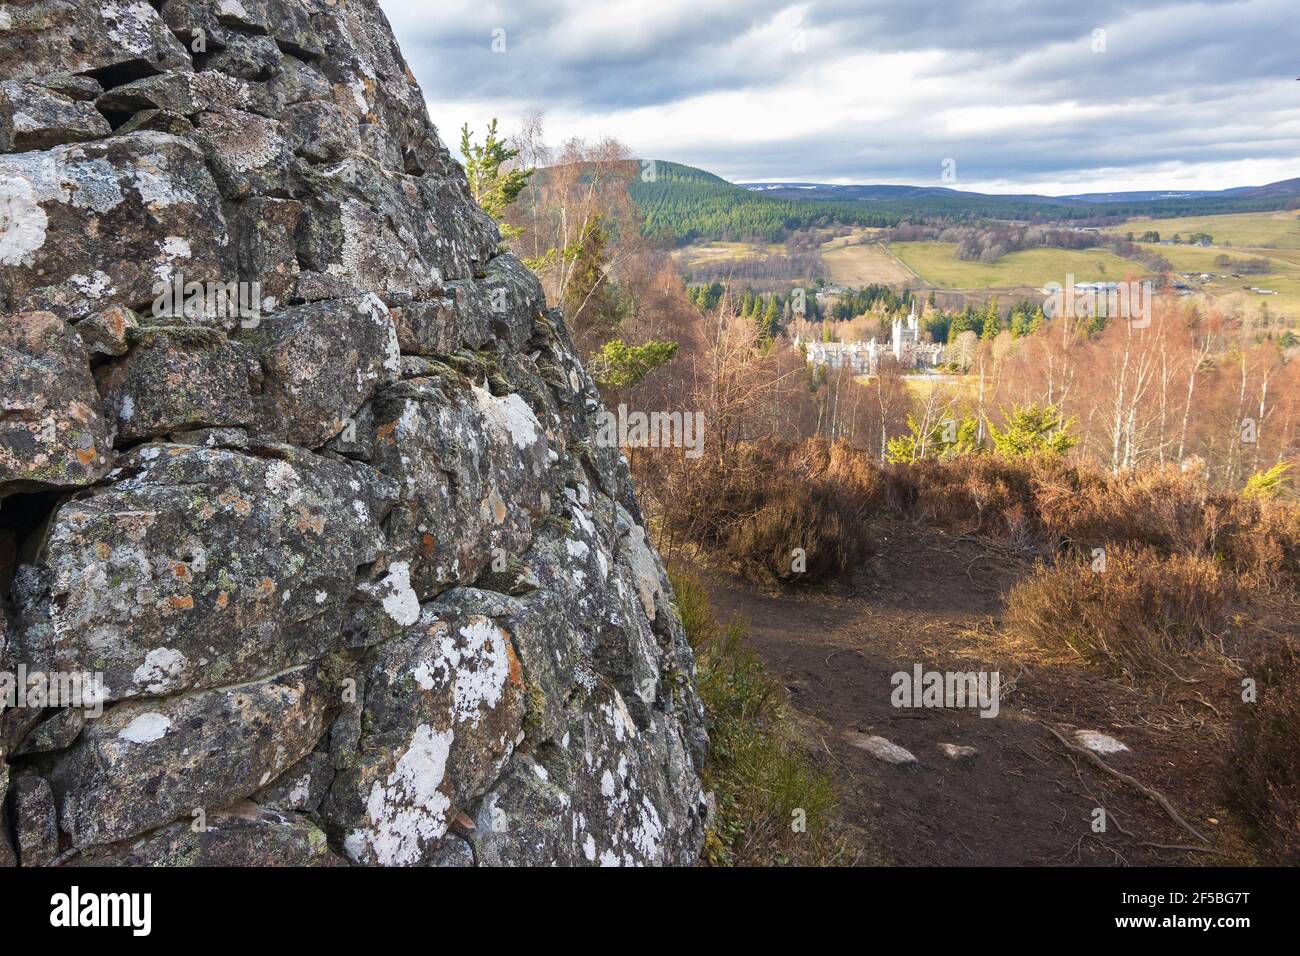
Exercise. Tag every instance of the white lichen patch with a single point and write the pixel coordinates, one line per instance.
(232, 8)
(162, 670)
(171, 248)
(146, 728)
(158, 191)
(645, 571)
(407, 812)
(95, 286)
(247, 141)
(22, 221)
(510, 416)
(282, 479)
(396, 595)
(129, 24)
(480, 664)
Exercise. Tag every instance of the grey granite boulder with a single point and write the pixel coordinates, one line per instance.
(53, 432)
(200, 567)
(299, 469)
(148, 763)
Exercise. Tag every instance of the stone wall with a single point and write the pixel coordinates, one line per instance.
(361, 584)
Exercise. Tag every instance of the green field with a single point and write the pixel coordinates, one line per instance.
(937, 264)
(1280, 230)
(1284, 278)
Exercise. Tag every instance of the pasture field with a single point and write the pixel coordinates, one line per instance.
(712, 253)
(1284, 279)
(937, 263)
(860, 265)
(1280, 230)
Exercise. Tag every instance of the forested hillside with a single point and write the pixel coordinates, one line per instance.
(684, 203)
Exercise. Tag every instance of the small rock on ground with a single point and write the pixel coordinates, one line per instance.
(957, 751)
(1099, 742)
(880, 748)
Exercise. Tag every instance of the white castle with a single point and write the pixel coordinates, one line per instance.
(864, 357)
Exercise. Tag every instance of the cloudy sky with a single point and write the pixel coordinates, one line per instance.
(1052, 96)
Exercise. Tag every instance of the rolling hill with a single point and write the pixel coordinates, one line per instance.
(684, 204)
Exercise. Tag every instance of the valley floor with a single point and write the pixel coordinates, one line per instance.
(1023, 798)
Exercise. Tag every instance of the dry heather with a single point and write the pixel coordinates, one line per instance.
(1130, 610)
(771, 499)
(1266, 755)
(1181, 561)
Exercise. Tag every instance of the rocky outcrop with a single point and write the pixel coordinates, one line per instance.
(298, 464)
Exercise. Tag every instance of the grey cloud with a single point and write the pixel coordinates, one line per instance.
(1180, 81)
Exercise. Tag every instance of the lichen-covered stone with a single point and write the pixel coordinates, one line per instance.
(145, 764)
(320, 362)
(54, 733)
(35, 117)
(52, 431)
(112, 37)
(105, 332)
(444, 704)
(266, 247)
(470, 468)
(178, 378)
(302, 787)
(31, 805)
(101, 223)
(201, 567)
(605, 794)
(241, 835)
(8, 856)
(362, 583)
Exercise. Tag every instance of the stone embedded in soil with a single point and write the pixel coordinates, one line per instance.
(957, 751)
(1099, 742)
(880, 748)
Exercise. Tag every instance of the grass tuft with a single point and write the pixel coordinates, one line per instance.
(763, 781)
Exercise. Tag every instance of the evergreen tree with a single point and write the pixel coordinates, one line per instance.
(992, 321)
(960, 323)
(492, 184)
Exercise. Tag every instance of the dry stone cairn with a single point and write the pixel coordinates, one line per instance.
(298, 463)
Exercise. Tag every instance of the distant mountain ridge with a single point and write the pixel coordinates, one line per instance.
(796, 190)
(685, 203)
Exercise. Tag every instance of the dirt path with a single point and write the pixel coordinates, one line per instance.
(1023, 799)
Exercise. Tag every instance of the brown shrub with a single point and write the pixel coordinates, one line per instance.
(770, 499)
(1135, 618)
(1266, 755)
(979, 494)
(1260, 540)
(1159, 508)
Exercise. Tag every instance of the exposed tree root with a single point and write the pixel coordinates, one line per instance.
(1150, 792)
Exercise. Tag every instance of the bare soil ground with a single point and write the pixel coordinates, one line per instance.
(1024, 799)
